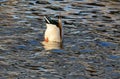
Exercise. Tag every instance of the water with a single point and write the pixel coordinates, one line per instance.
(91, 40)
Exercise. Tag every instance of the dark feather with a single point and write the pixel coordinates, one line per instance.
(50, 21)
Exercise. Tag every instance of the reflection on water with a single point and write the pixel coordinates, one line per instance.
(52, 45)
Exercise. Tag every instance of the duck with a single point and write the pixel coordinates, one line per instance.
(54, 30)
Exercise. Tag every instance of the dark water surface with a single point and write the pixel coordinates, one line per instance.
(91, 48)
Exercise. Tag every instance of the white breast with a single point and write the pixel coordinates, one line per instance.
(52, 33)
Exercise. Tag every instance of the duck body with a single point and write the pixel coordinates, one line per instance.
(53, 31)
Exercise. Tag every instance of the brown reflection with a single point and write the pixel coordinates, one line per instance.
(52, 45)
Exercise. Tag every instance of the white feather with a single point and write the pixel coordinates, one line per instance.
(52, 33)
(46, 19)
